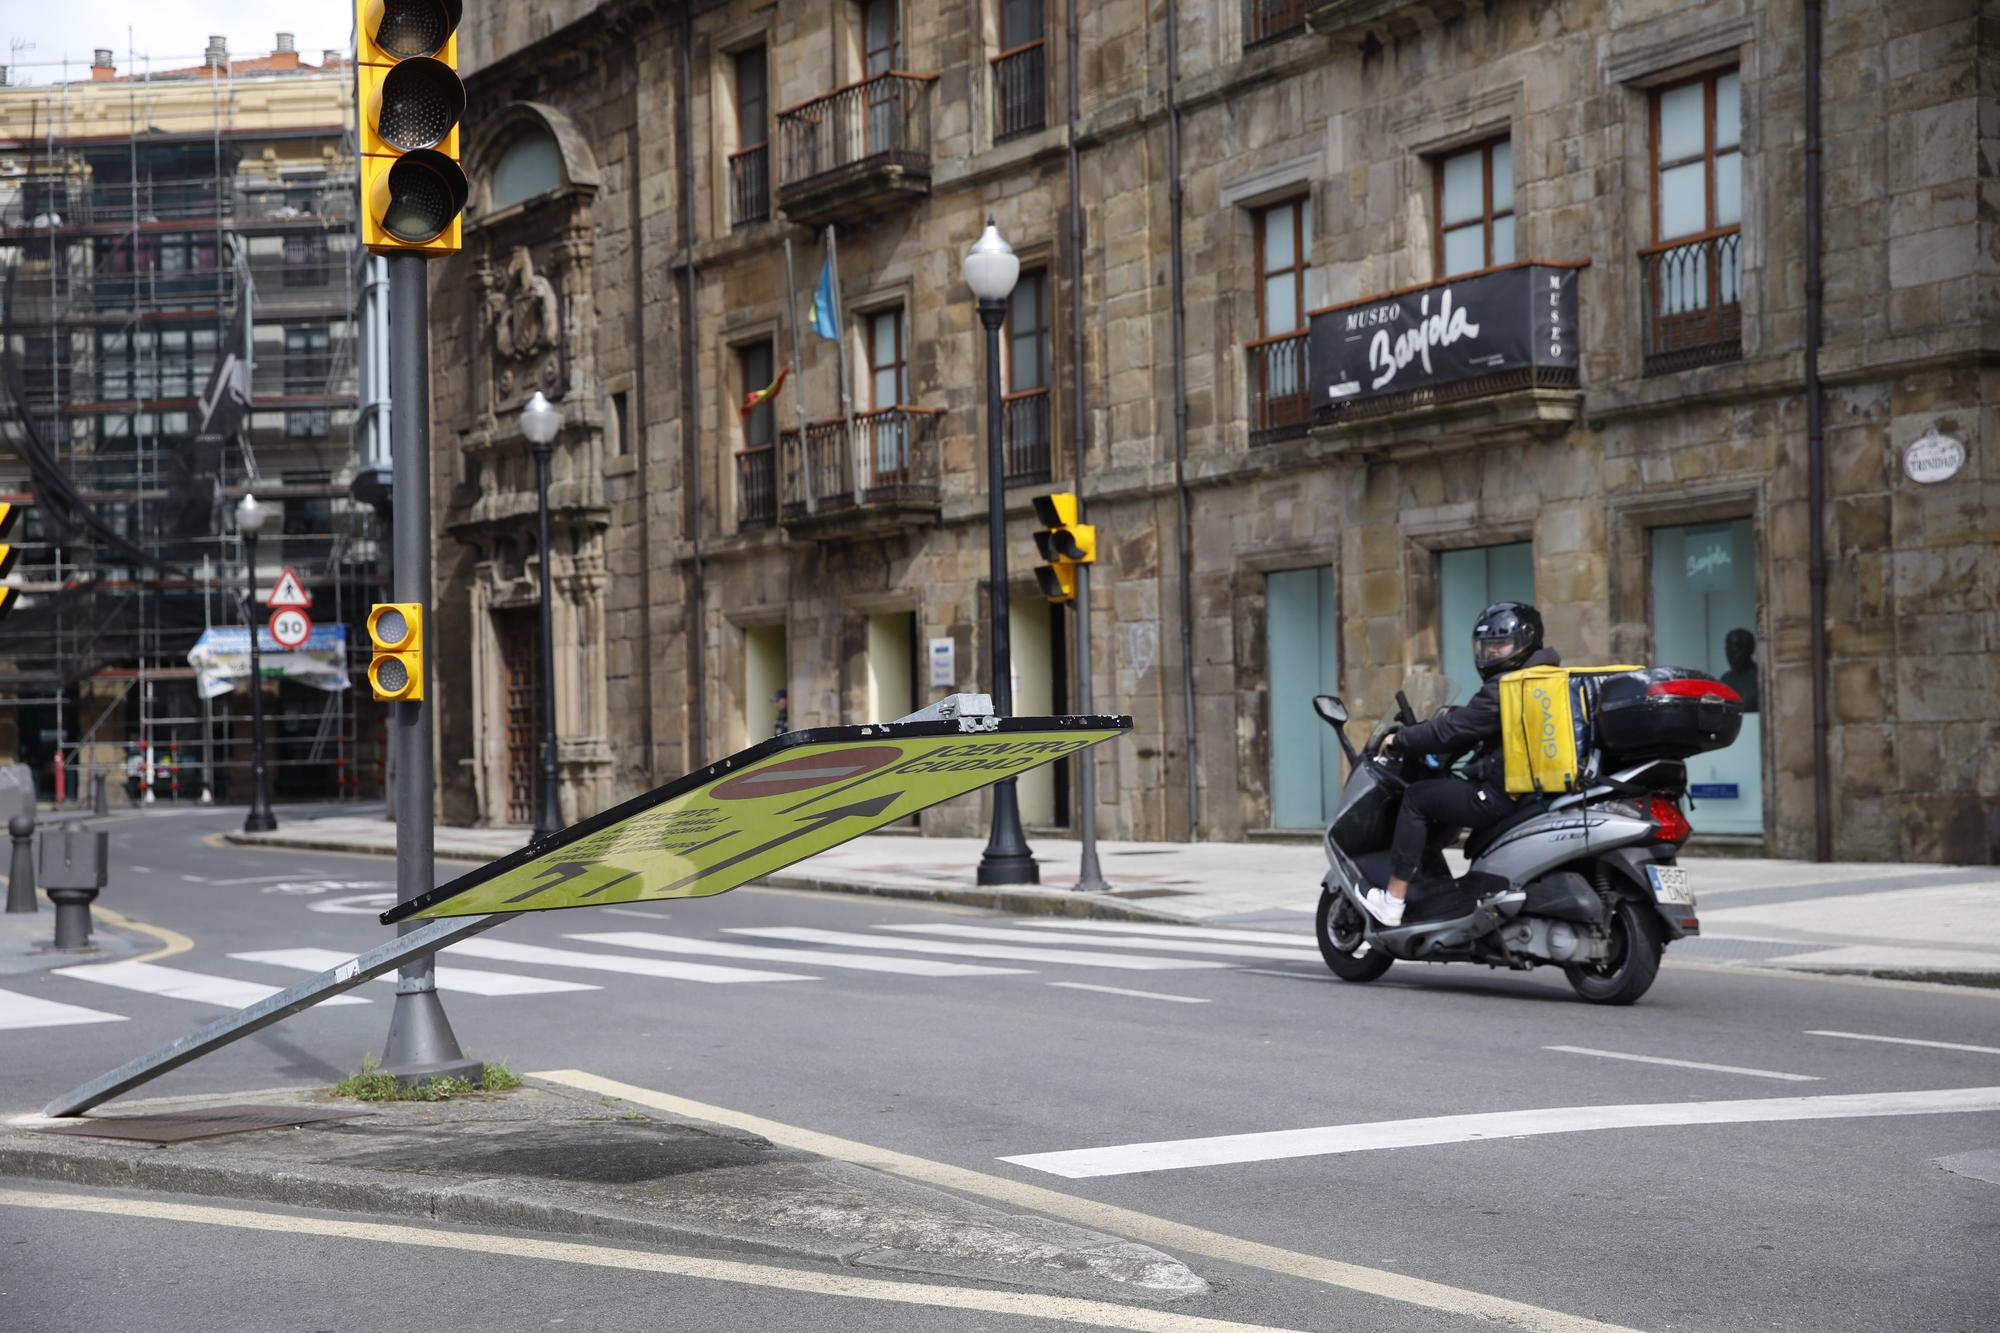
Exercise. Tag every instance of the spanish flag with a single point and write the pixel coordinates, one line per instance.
(755, 400)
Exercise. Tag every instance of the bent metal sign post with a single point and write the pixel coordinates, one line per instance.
(759, 811)
(1509, 319)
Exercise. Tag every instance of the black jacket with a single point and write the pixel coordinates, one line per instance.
(1474, 727)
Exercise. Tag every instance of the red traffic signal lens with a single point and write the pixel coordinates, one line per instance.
(409, 28)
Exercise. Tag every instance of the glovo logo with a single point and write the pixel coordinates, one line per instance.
(1550, 747)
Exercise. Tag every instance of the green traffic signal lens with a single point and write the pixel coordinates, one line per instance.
(425, 192)
(391, 676)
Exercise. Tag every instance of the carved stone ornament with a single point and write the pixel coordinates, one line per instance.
(524, 321)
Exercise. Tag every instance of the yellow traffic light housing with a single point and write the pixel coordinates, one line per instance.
(396, 632)
(410, 101)
(1063, 542)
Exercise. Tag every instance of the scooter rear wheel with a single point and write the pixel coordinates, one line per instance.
(1634, 961)
(1339, 929)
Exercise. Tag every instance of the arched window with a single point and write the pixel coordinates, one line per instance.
(531, 165)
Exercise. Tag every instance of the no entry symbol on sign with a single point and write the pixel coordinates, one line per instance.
(806, 772)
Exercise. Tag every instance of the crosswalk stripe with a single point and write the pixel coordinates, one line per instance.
(470, 980)
(1110, 942)
(32, 1011)
(1298, 939)
(176, 984)
(914, 967)
(500, 951)
(1077, 957)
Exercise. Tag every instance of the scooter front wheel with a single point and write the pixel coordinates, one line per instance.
(1339, 927)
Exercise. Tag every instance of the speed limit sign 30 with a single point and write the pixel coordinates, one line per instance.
(291, 627)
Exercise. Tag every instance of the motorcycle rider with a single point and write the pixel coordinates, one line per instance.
(1506, 637)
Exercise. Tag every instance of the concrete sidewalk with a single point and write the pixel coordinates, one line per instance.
(1890, 920)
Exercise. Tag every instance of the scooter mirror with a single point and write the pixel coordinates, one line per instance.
(1330, 708)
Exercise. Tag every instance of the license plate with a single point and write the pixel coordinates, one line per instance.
(1670, 885)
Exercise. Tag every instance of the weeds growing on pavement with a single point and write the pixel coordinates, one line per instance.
(370, 1084)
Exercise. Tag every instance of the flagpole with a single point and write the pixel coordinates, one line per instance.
(840, 349)
(798, 361)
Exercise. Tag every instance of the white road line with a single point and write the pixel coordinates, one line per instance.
(1301, 939)
(1276, 1145)
(500, 951)
(1321, 975)
(175, 984)
(1077, 957)
(470, 980)
(1268, 951)
(633, 911)
(1120, 990)
(839, 1285)
(1685, 1064)
(32, 1011)
(860, 962)
(1906, 1041)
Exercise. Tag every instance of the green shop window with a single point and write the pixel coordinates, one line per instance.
(1705, 617)
(1469, 581)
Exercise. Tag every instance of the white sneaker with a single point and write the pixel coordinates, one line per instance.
(1383, 907)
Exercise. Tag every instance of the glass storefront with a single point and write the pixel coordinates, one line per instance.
(1705, 617)
(1304, 640)
(1469, 581)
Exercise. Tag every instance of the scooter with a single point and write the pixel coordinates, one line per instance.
(1587, 880)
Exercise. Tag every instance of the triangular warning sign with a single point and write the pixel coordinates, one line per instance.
(290, 593)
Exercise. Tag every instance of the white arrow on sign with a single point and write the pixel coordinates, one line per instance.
(289, 592)
(291, 627)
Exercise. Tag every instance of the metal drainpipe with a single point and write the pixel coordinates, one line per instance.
(1816, 447)
(691, 405)
(1181, 536)
(635, 419)
(1090, 875)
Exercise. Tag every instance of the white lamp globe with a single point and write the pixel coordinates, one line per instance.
(991, 266)
(540, 420)
(250, 515)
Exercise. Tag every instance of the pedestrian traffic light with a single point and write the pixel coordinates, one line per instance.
(409, 100)
(396, 632)
(1064, 543)
(9, 511)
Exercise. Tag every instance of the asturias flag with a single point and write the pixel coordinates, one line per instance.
(821, 314)
(757, 398)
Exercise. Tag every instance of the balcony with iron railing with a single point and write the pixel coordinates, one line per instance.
(1691, 293)
(879, 474)
(857, 151)
(1268, 20)
(750, 185)
(1280, 387)
(756, 488)
(1027, 444)
(1020, 90)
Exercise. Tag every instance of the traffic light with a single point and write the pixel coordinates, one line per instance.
(410, 99)
(396, 632)
(1064, 543)
(9, 511)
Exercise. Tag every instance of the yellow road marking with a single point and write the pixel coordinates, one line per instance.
(1107, 1217)
(1025, 1305)
(171, 941)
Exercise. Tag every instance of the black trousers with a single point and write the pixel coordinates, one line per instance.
(1432, 807)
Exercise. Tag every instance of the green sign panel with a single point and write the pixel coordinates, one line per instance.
(759, 811)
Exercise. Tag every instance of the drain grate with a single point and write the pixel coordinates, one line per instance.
(197, 1124)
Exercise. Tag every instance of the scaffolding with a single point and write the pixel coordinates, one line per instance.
(179, 278)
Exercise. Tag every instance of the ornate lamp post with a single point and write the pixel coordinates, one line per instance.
(991, 270)
(250, 519)
(541, 420)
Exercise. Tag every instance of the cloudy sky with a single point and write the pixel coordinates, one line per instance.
(174, 32)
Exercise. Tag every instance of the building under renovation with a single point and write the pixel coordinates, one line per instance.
(178, 304)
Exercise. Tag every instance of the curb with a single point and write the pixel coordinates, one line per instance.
(1021, 901)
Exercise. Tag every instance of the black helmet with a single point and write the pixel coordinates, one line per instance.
(1506, 636)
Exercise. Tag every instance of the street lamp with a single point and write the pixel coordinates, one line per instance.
(991, 269)
(540, 422)
(250, 518)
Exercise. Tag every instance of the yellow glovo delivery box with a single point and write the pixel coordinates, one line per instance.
(1544, 720)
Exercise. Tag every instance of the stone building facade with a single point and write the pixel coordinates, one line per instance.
(655, 189)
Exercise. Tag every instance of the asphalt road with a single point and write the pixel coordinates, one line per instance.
(1757, 1220)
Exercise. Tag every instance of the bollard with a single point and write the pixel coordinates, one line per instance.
(21, 870)
(73, 871)
(99, 803)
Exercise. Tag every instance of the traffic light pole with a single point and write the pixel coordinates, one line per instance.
(1089, 875)
(421, 1046)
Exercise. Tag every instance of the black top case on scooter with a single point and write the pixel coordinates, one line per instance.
(1664, 713)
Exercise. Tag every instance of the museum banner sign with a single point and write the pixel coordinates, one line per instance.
(1522, 317)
